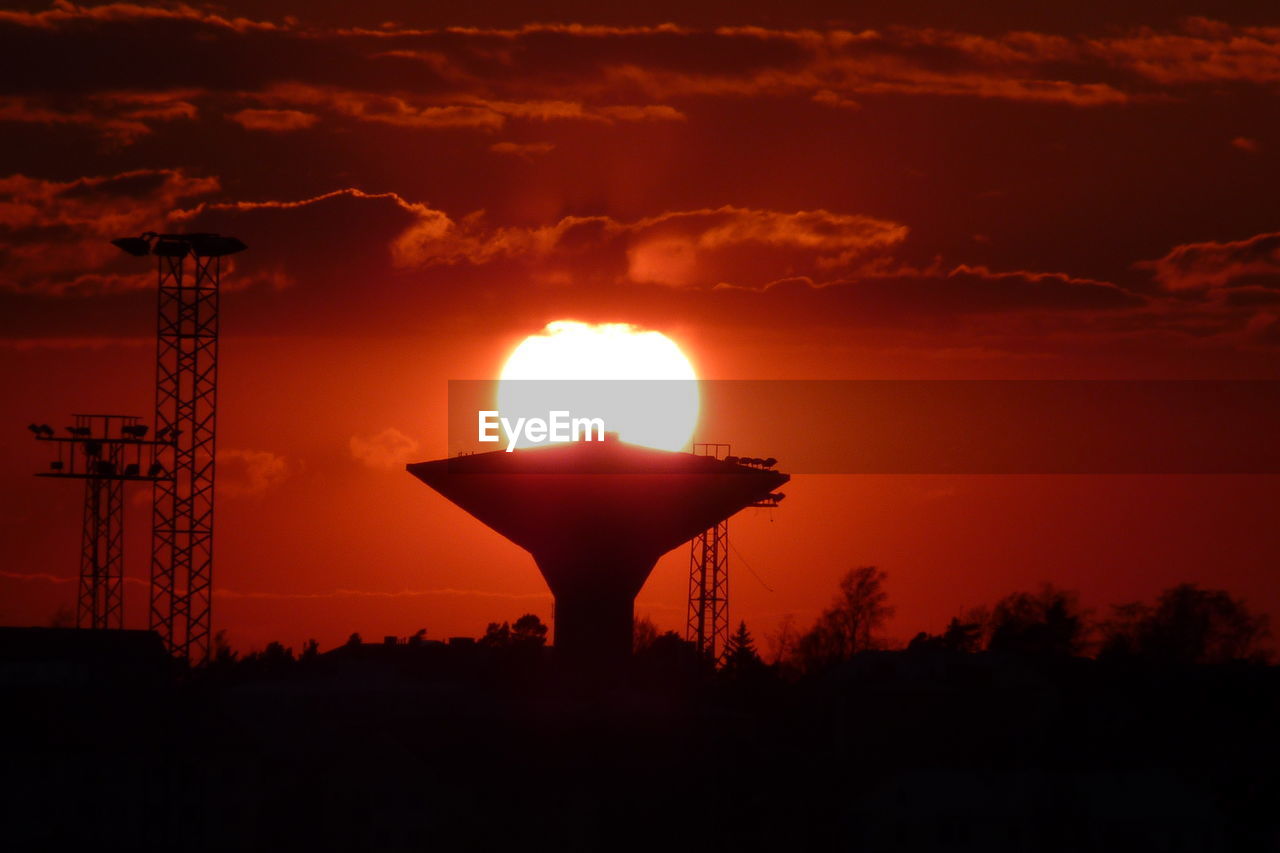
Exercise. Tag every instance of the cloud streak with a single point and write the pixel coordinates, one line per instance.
(697, 248)
(409, 110)
(274, 121)
(1211, 265)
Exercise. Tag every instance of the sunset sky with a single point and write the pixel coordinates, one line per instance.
(828, 191)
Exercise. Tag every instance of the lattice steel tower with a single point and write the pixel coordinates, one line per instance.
(188, 278)
(105, 451)
(708, 623)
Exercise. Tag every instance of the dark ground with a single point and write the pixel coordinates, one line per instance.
(410, 748)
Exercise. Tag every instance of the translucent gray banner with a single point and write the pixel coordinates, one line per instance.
(904, 427)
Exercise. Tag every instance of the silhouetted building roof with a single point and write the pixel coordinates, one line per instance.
(70, 657)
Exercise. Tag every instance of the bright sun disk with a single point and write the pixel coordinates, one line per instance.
(660, 414)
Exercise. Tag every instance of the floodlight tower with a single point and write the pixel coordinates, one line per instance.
(708, 623)
(186, 416)
(106, 451)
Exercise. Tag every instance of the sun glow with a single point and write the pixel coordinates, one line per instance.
(660, 413)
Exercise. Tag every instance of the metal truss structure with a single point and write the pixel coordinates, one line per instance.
(105, 451)
(708, 623)
(188, 279)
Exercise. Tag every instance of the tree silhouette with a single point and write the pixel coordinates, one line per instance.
(275, 656)
(1186, 625)
(643, 633)
(784, 641)
(741, 642)
(63, 617)
(1048, 623)
(849, 626)
(670, 657)
(223, 654)
(496, 636)
(960, 636)
(741, 658)
(963, 636)
(529, 631)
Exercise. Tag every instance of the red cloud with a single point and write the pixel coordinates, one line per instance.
(394, 263)
(64, 12)
(389, 450)
(120, 117)
(437, 111)
(525, 150)
(721, 242)
(249, 473)
(720, 263)
(682, 248)
(274, 120)
(1202, 266)
(1203, 51)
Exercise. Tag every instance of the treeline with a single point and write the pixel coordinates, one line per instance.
(525, 635)
(1185, 625)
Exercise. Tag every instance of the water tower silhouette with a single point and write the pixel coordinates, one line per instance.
(596, 516)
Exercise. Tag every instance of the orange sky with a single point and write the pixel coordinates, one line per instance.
(953, 192)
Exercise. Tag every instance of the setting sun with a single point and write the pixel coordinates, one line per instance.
(573, 366)
(452, 362)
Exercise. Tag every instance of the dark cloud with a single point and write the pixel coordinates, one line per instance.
(122, 49)
(56, 233)
(672, 169)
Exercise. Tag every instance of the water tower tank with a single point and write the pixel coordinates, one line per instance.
(596, 516)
